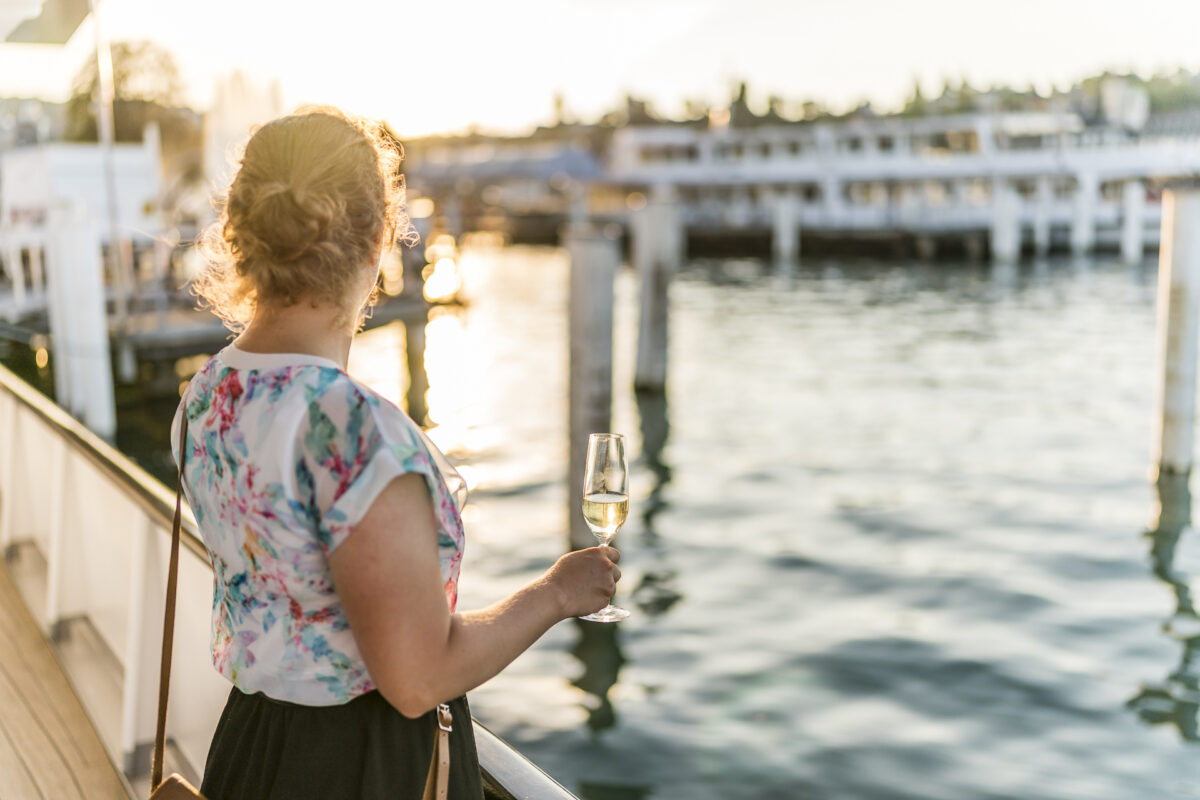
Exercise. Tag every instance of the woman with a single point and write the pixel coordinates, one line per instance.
(332, 522)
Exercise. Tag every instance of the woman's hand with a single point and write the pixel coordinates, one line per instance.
(585, 579)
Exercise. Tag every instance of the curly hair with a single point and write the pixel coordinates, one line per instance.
(317, 197)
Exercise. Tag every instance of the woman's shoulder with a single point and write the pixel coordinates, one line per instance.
(341, 406)
(322, 388)
(220, 383)
(328, 411)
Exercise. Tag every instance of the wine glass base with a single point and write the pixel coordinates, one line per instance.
(607, 614)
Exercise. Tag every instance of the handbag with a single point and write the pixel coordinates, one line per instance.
(176, 787)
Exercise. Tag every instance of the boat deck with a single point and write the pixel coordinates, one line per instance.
(48, 746)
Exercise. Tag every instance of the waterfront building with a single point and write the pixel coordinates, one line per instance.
(1000, 181)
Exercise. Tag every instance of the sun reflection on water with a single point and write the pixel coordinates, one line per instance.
(377, 359)
(451, 379)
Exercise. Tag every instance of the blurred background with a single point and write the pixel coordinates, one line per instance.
(884, 278)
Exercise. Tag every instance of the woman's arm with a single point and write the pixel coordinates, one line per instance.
(388, 578)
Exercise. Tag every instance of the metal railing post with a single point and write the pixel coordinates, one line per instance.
(8, 488)
(139, 696)
(58, 533)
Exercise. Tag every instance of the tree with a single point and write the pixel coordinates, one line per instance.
(813, 110)
(145, 85)
(968, 98)
(1173, 92)
(915, 106)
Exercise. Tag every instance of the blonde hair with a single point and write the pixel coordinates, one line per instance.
(317, 196)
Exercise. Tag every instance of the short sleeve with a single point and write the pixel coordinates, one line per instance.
(176, 421)
(347, 457)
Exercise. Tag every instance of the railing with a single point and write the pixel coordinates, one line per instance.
(16, 298)
(102, 525)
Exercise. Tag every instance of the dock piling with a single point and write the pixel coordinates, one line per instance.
(1133, 207)
(79, 330)
(785, 239)
(1006, 224)
(1041, 217)
(656, 251)
(418, 378)
(1083, 222)
(594, 256)
(1178, 329)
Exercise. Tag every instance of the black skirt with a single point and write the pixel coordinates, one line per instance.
(266, 749)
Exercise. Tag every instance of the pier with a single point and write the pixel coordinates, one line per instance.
(1008, 183)
(944, 177)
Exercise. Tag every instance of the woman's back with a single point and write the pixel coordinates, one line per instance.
(286, 452)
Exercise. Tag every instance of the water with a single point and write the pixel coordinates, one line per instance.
(892, 547)
(886, 533)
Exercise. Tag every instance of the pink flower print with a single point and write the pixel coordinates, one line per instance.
(225, 398)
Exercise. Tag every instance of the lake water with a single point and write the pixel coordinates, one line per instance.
(887, 535)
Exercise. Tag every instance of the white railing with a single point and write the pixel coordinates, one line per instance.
(102, 525)
(16, 296)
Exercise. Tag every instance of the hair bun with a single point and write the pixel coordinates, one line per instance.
(288, 221)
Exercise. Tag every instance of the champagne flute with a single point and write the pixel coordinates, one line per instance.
(606, 499)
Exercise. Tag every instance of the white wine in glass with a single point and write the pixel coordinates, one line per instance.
(605, 514)
(606, 499)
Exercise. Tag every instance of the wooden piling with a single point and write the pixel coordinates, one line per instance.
(594, 256)
(1083, 221)
(1178, 329)
(1133, 209)
(657, 248)
(78, 318)
(412, 259)
(1041, 217)
(785, 239)
(1006, 224)
(925, 246)
(418, 378)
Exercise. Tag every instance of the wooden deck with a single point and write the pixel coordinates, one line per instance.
(48, 747)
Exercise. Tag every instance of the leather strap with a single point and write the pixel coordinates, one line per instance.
(437, 784)
(164, 673)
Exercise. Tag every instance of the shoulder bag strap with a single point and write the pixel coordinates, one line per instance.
(437, 782)
(164, 675)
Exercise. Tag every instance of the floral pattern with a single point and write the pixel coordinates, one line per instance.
(283, 459)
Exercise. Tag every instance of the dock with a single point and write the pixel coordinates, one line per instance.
(48, 745)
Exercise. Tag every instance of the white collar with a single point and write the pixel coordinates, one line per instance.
(235, 357)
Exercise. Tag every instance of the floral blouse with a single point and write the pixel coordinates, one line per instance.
(285, 454)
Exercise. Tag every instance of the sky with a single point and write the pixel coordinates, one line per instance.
(445, 65)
